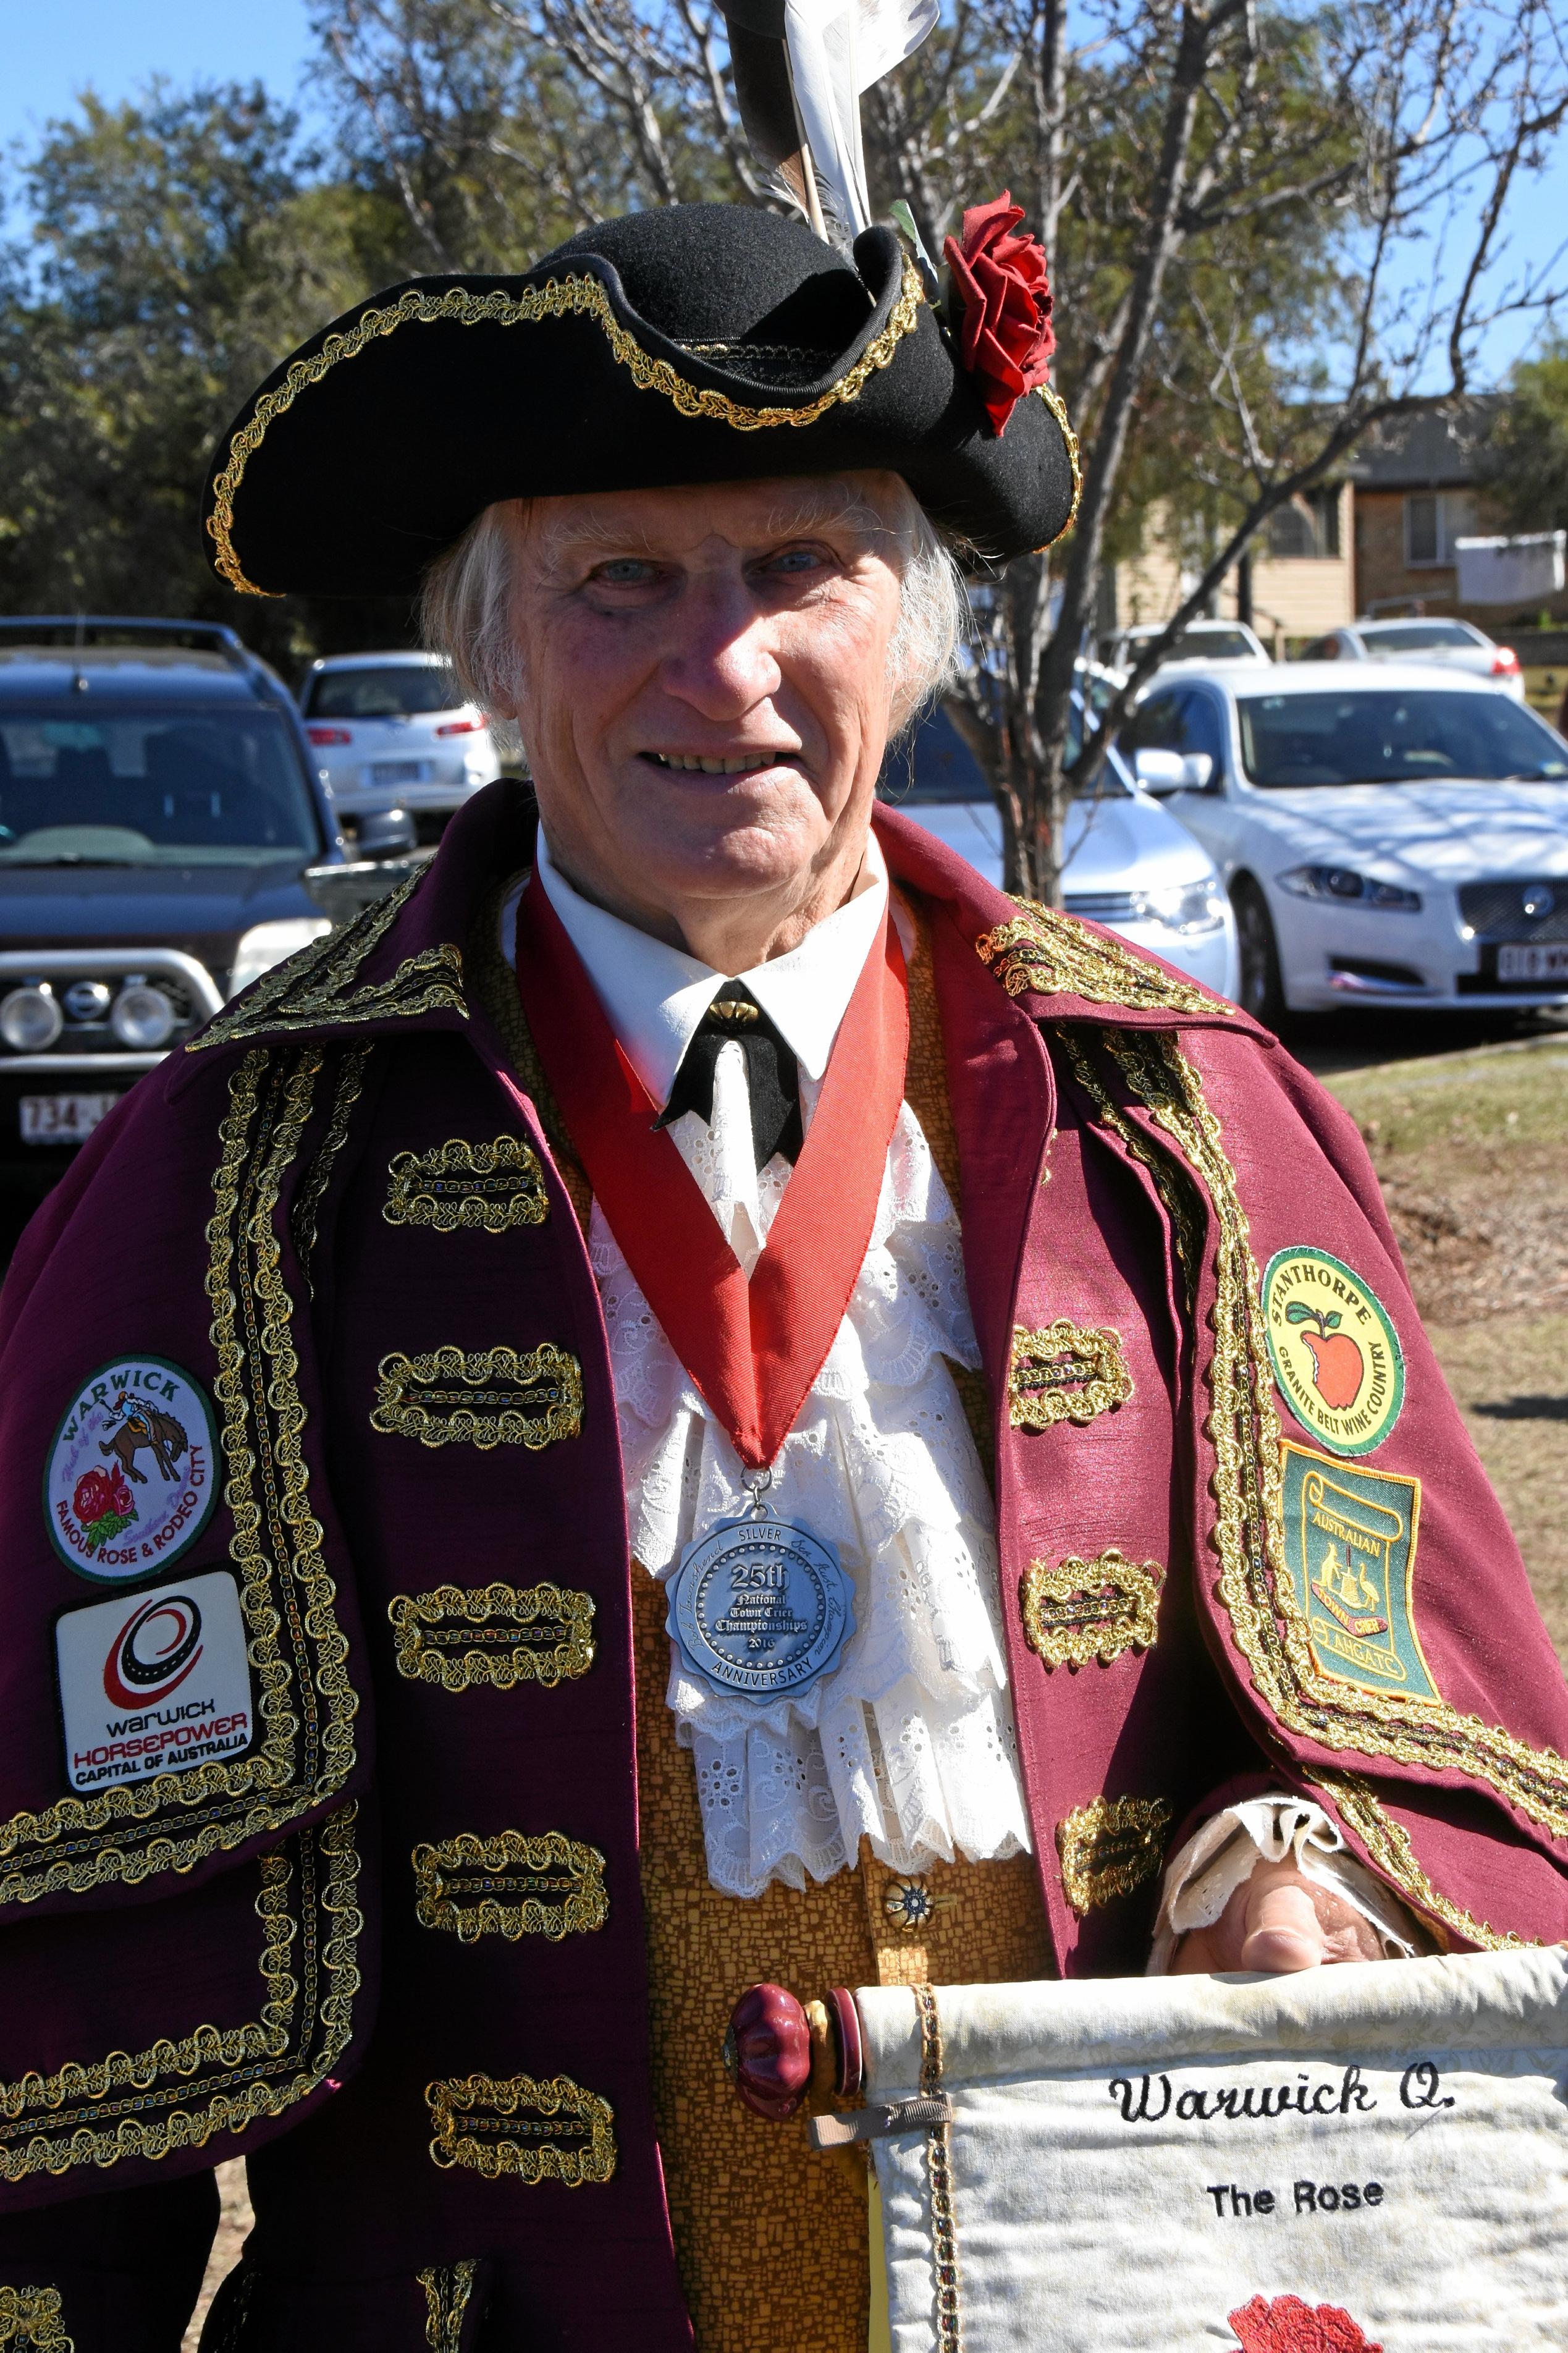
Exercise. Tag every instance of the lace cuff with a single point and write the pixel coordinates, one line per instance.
(1203, 1877)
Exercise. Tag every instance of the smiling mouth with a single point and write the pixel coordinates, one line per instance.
(741, 763)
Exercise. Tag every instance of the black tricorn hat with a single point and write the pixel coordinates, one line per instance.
(691, 343)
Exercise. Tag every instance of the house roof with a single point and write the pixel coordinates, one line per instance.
(1435, 450)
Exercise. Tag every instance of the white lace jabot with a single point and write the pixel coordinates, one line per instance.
(909, 1742)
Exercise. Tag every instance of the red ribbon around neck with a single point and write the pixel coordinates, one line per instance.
(753, 1348)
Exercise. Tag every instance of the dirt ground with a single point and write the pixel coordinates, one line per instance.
(1469, 1150)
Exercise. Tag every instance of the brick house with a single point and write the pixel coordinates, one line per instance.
(1418, 489)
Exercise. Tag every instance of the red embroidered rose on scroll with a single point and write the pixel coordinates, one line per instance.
(1289, 2326)
(1002, 293)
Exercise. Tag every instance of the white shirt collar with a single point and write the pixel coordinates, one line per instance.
(655, 995)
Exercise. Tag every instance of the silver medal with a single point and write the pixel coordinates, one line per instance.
(759, 1607)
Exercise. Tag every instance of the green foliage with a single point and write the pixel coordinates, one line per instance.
(180, 245)
(1526, 462)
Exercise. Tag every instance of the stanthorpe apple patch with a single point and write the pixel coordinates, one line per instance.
(1335, 1353)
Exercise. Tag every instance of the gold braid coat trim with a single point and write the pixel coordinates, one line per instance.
(177, 2093)
(483, 1397)
(31, 2315)
(314, 990)
(471, 2117)
(306, 1704)
(1110, 1848)
(459, 1635)
(1065, 1372)
(582, 297)
(473, 1187)
(1255, 1584)
(1084, 1610)
(448, 2289)
(1044, 954)
(510, 1885)
(308, 1200)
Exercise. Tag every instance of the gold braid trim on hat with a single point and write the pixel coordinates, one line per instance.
(1255, 1586)
(558, 298)
(1057, 407)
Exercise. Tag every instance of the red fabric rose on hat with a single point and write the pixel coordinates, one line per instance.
(1289, 2326)
(1004, 291)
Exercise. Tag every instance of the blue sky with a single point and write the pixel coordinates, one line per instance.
(53, 49)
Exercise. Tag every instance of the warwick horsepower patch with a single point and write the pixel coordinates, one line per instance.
(152, 1682)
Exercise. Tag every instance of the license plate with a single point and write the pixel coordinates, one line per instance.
(1520, 963)
(399, 772)
(63, 1119)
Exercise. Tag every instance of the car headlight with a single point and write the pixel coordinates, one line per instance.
(1185, 908)
(142, 1018)
(265, 944)
(1345, 887)
(30, 1020)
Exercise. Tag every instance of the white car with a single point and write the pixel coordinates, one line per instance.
(1199, 641)
(1460, 643)
(394, 732)
(1129, 865)
(1397, 835)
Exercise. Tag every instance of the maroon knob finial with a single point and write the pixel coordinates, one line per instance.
(768, 2050)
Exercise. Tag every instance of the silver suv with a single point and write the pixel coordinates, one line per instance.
(391, 732)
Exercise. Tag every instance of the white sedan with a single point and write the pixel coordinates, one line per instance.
(1458, 642)
(1130, 866)
(1397, 835)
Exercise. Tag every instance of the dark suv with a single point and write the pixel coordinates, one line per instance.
(159, 803)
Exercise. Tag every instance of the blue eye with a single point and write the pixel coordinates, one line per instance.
(795, 559)
(626, 572)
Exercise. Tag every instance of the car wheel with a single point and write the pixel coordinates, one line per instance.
(1259, 992)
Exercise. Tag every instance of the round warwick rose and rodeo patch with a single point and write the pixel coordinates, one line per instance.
(1335, 1353)
(132, 1475)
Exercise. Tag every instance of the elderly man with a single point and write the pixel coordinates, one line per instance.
(748, 1409)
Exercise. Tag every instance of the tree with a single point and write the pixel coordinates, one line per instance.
(1525, 460)
(179, 245)
(1244, 206)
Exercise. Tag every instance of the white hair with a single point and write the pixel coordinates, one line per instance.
(466, 609)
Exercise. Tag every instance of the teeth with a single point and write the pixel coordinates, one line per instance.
(736, 767)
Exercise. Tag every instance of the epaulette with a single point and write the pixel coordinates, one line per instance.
(1043, 954)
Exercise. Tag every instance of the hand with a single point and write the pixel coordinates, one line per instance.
(1280, 1920)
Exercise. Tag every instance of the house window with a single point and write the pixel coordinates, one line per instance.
(1434, 520)
(1308, 525)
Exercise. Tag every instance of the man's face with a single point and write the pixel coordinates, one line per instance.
(705, 700)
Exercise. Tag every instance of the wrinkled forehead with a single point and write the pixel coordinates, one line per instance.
(871, 508)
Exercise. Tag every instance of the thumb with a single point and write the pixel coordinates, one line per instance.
(1283, 1931)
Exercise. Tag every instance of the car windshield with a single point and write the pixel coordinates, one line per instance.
(389, 690)
(936, 768)
(1370, 736)
(1417, 637)
(1202, 645)
(183, 788)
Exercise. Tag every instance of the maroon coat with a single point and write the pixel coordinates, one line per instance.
(344, 1179)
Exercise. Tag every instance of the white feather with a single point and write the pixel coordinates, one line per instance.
(836, 49)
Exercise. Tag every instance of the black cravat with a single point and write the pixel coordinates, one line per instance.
(771, 1077)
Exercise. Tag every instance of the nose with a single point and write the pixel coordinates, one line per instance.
(721, 661)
